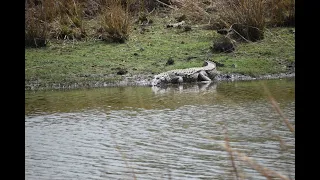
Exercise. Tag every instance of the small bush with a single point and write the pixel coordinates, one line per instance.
(115, 22)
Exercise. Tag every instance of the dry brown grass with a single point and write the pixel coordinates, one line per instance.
(246, 17)
(115, 21)
(281, 12)
(36, 28)
(64, 19)
(67, 19)
(196, 11)
(59, 19)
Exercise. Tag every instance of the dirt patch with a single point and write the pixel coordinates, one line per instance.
(238, 77)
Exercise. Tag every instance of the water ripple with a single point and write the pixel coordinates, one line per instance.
(168, 143)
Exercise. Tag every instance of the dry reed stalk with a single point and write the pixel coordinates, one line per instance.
(277, 108)
(125, 161)
(167, 5)
(123, 156)
(266, 172)
(283, 145)
(230, 152)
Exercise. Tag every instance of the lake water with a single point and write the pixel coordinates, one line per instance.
(152, 133)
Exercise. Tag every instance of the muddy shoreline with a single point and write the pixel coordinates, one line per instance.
(145, 80)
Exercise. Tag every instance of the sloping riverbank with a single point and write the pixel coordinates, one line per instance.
(94, 63)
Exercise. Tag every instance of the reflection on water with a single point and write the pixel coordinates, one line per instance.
(150, 133)
(185, 88)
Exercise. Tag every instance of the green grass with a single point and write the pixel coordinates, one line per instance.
(268, 56)
(147, 54)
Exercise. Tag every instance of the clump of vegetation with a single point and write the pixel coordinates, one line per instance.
(112, 19)
(35, 28)
(195, 10)
(66, 19)
(248, 16)
(59, 19)
(281, 13)
(91, 8)
(115, 21)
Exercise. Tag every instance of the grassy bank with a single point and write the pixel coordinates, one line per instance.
(147, 54)
(89, 61)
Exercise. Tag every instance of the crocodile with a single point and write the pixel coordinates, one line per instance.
(186, 75)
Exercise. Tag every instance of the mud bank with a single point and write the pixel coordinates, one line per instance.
(238, 77)
(144, 80)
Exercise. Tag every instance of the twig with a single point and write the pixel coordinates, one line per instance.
(151, 11)
(166, 5)
(239, 33)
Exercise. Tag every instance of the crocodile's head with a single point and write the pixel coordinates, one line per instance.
(158, 80)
